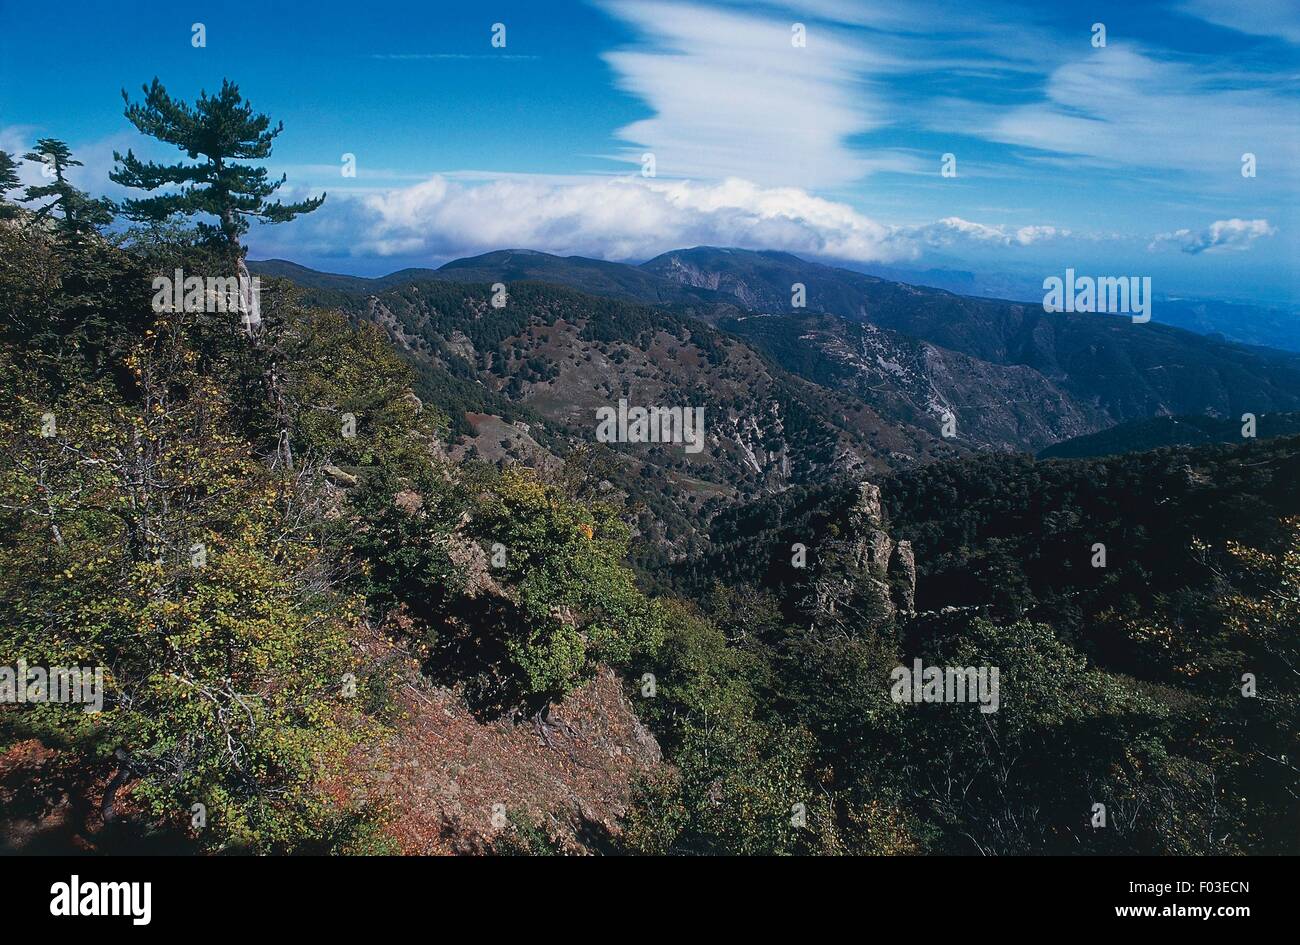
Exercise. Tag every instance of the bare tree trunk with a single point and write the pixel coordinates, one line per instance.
(283, 449)
(249, 304)
(107, 806)
(250, 310)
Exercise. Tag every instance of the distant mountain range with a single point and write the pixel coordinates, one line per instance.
(870, 376)
(1274, 325)
(1107, 369)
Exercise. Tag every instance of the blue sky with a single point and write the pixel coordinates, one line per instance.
(1123, 159)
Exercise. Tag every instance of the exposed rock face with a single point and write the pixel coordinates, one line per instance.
(409, 501)
(866, 580)
(684, 272)
(904, 570)
(879, 547)
(470, 559)
(411, 398)
(868, 507)
(872, 551)
(915, 383)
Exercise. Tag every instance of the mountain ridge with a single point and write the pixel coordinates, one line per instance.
(1092, 371)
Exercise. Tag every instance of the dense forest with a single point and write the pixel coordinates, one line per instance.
(256, 527)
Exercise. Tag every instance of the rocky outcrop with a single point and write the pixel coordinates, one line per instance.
(865, 579)
(868, 507)
(904, 571)
(411, 398)
(409, 501)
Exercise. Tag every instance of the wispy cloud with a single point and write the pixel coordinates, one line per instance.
(733, 96)
(1257, 19)
(730, 96)
(1125, 107)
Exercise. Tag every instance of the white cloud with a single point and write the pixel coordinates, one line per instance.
(16, 139)
(951, 230)
(613, 218)
(617, 218)
(1219, 236)
(732, 97)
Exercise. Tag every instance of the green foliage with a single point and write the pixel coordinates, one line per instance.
(700, 679)
(738, 776)
(69, 296)
(334, 369)
(182, 506)
(523, 837)
(224, 130)
(141, 536)
(577, 601)
(78, 215)
(8, 182)
(656, 817)
(1157, 432)
(1123, 687)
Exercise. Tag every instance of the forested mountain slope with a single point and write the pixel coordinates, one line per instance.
(1141, 435)
(1126, 370)
(550, 357)
(1012, 375)
(323, 624)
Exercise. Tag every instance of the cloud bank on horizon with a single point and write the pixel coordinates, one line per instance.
(629, 218)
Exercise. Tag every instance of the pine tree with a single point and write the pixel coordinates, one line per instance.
(79, 213)
(8, 182)
(222, 129)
